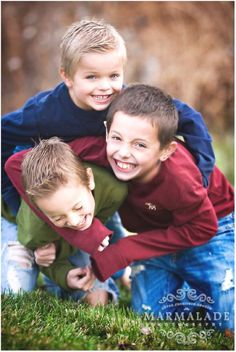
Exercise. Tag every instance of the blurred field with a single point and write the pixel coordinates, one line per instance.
(187, 48)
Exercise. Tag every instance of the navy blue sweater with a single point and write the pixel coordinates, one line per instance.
(53, 113)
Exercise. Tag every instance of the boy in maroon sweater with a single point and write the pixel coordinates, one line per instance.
(183, 250)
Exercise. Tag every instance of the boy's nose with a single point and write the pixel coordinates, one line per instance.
(104, 84)
(124, 151)
(73, 220)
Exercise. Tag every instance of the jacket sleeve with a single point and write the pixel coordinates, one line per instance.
(59, 269)
(33, 233)
(194, 131)
(87, 240)
(192, 225)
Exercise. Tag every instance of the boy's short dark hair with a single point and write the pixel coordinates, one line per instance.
(149, 103)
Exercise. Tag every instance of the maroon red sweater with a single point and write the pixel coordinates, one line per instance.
(170, 213)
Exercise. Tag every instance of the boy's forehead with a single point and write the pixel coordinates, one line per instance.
(114, 57)
(129, 124)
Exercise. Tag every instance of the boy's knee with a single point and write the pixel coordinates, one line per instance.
(21, 255)
(19, 274)
(228, 282)
(97, 298)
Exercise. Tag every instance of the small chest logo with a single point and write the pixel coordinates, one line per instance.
(150, 206)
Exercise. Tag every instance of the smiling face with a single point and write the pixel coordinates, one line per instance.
(97, 80)
(72, 206)
(133, 148)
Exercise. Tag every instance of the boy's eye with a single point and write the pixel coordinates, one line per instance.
(57, 219)
(116, 138)
(90, 77)
(140, 145)
(115, 75)
(78, 208)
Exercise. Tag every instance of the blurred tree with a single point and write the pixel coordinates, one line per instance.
(184, 47)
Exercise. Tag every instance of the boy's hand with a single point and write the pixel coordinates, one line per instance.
(45, 255)
(104, 244)
(81, 278)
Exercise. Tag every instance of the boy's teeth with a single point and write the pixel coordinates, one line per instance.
(101, 97)
(125, 166)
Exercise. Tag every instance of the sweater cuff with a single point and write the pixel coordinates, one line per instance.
(107, 262)
(88, 240)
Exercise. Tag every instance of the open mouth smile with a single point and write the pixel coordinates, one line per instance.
(80, 225)
(102, 98)
(124, 167)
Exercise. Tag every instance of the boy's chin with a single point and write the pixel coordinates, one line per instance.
(87, 225)
(100, 108)
(123, 176)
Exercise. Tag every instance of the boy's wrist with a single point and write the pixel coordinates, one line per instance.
(106, 263)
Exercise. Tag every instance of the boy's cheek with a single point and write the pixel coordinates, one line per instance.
(109, 149)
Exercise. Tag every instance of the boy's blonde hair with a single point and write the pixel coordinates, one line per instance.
(88, 36)
(49, 165)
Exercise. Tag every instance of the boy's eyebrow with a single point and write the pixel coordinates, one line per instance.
(56, 215)
(76, 205)
(136, 139)
(94, 71)
(53, 216)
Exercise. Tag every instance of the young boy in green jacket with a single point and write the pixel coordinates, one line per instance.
(63, 188)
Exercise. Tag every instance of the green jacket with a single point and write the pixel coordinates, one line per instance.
(109, 193)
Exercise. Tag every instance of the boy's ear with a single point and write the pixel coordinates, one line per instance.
(91, 178)
(67, 80)
(168, 151)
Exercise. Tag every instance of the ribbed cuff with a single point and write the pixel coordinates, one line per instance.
(88, 240)
(107, 262)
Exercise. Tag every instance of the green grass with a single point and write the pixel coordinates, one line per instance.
(224, 152)
(39, 321)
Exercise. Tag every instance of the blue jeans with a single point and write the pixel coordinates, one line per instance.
(19, 271)
(81, 259)
(115, 225)
(196, 279)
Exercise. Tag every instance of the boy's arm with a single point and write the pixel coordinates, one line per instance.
(17, 130)
(193, 225)
(192, 127)
(60, 268)
(33, 232)
(88, 240)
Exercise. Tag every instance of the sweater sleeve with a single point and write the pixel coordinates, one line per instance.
(192, 226)
(17, 130)
(194, 131)
(87, 240)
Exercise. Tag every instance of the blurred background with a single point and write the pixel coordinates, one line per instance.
(186, 48)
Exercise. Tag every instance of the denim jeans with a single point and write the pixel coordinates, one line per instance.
(196, 279)
(81, 259)
(19, 271)
(115, 225)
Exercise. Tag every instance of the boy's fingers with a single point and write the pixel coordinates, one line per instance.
(49, 248)
(78, 271)
(45, 246)
(104, 244)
